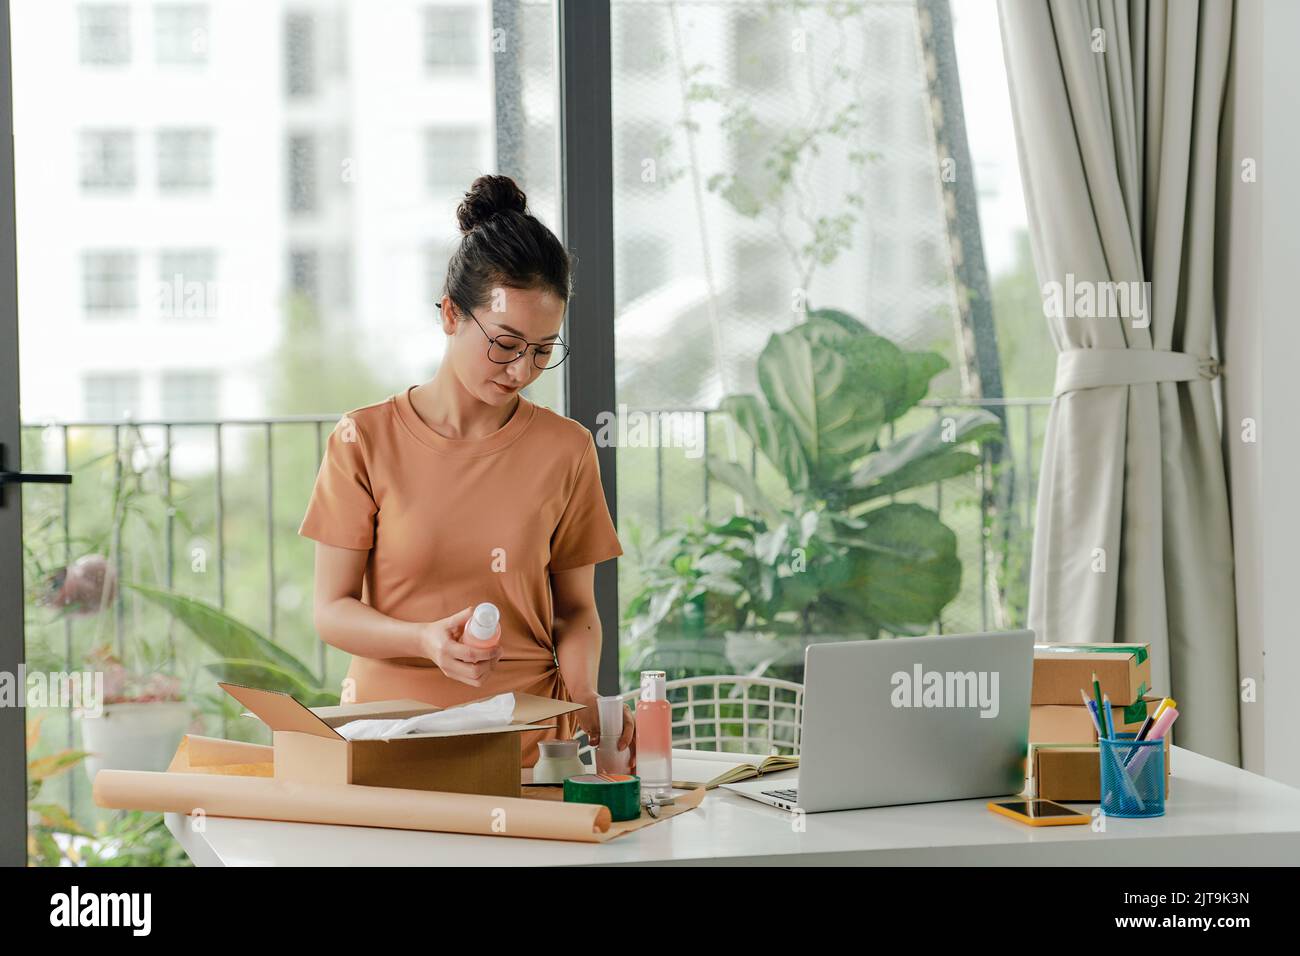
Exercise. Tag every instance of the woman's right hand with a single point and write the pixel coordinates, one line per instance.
(441, 643)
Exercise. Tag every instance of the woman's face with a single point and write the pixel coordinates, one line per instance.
(534, 315)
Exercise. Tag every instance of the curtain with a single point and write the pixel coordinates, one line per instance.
(1117, 108)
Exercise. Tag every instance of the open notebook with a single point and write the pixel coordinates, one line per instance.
(708, 768)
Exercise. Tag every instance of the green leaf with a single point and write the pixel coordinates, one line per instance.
(926, 455)
(835, 418)
(925, 471)
(740, 481)
(904, 571)
(228, 637)
(773, 435)
(267, 676)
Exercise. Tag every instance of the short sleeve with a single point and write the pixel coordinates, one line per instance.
(585, 534)
(342, 508)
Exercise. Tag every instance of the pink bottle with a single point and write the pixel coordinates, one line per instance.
(483, 629)
(654, 735)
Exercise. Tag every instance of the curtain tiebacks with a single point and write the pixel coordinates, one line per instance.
(1096, 368)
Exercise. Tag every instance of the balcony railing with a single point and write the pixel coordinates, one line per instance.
(238, 467)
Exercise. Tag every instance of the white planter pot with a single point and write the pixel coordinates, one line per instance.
(134, 736)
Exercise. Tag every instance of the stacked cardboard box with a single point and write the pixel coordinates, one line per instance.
(1063, 761)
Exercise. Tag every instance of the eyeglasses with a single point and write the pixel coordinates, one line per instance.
(504, 349)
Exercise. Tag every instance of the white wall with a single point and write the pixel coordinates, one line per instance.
(1258, 249)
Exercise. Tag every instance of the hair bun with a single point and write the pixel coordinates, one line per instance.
(488, 196)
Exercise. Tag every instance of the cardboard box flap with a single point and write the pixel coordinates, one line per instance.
(279, 711)
(530, 708)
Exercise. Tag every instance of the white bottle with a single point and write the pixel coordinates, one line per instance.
(484, 626)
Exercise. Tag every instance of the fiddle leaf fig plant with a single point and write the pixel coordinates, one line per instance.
(833, 554)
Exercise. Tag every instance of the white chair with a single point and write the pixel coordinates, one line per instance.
(730, 713)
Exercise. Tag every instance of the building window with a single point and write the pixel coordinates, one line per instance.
(453, 159)
(642, 30)
(107, 159)
(304, 174)
(300, 54)
(181, 34)
(451, 38)
(108, 282)
(187, 283)
(105, 34)
(762, 56)
(113, 395)
(190, 395)
(184, 159)
(304, 273)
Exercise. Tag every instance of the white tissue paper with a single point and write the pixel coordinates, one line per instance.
(494, 712)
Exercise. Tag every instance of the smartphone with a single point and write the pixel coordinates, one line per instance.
(1039, 813)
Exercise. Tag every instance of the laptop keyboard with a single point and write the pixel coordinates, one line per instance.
(791, 795)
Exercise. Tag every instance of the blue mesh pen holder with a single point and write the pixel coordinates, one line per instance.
(1132, 776)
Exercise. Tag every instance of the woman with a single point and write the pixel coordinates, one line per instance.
(460, 490)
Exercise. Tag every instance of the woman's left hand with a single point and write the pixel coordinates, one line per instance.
(589, 720)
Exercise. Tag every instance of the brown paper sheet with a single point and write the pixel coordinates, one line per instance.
(198, 779)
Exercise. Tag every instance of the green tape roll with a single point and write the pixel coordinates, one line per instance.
(618, 791)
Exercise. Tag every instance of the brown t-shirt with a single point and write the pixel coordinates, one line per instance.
(453, 522)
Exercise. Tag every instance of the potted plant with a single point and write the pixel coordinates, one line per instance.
(143, 716)
(833, 557)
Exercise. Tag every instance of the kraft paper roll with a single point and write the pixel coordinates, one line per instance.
(260, 798)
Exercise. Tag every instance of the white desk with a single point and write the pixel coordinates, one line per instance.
(1216, 815)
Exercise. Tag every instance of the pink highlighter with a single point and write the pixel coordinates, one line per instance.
(1158, 731)
(483, 630)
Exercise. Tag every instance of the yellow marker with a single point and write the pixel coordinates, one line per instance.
(1167, 702)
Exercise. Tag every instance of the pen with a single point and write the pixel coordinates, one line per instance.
(1096, 693)
(1147, 724)
(1110, 718)
(1091, 713)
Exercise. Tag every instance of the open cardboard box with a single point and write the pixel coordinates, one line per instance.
(309, 750)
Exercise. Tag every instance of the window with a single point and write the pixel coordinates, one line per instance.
(452, 38)
(792, 160)
(762, 50)
(304, 273)
(190, 395)
(107, 160)
(300, 54)
(187, 287)
(181, 34)
(184, 159)
(113, 395)
(642, 48)
(304, 175)
(108, 281)
(453, 158)
(105, 34)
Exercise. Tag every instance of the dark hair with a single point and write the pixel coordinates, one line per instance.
(503, 244)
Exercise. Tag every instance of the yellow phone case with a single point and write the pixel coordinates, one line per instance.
(1075, 820)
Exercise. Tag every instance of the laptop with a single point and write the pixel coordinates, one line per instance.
(909, 720)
